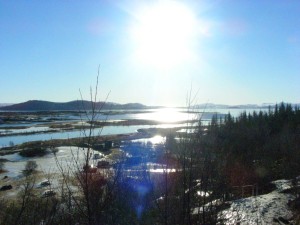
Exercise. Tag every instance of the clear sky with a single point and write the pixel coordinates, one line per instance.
(152, 52)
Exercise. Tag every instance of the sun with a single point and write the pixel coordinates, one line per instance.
(163, 34)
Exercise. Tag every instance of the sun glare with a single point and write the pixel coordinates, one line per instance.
(163, 34)
(165, 115)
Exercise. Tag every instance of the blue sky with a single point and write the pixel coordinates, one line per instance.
(152, 52)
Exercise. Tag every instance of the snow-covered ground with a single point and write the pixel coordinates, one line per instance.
(262, 209)
(47, 163)
(48, 169)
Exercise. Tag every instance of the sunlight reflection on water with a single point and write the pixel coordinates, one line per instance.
(154, 140)
(167, 115)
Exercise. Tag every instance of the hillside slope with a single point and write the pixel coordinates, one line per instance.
(38, 105)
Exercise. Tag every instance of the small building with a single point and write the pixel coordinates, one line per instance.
(103, 164)
(97, 156)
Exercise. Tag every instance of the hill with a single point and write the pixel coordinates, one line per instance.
(37, 105)
(242, 106)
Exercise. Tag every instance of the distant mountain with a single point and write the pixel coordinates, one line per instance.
(37, 105)
(5, 104)
(211, 106)
(244, 106)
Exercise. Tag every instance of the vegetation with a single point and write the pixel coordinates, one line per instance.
(257, 147)
(30, 167)
(34, 151)
(1, 166)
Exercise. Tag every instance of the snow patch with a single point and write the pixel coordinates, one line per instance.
(260, 209)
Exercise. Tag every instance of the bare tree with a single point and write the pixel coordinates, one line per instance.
(88, 191)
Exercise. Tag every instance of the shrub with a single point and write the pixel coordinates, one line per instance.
(30, 167)
(35, 151)
(1, 166)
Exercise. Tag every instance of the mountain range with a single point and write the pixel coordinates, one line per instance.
(242, 106)
(37, 105)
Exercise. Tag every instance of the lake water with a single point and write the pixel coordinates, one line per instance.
(168, 117)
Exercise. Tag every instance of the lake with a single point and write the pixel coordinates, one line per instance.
(166, 117)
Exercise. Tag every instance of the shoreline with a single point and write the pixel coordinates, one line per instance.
(142, 133)
(73, 126)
